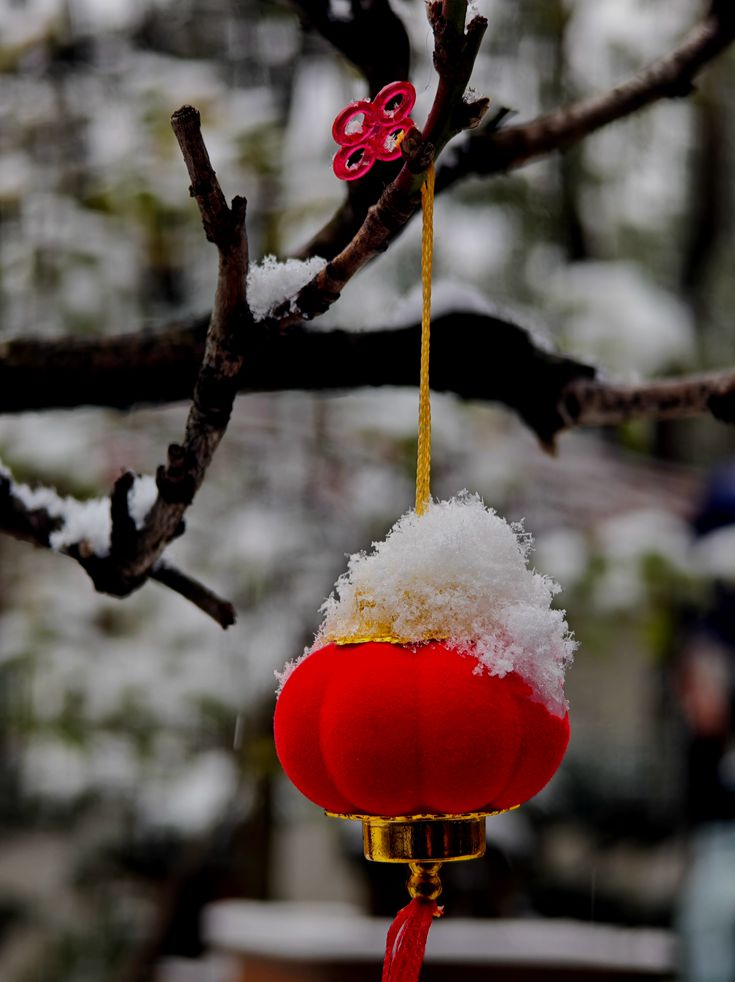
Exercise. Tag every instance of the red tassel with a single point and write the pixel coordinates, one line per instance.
(404, 948)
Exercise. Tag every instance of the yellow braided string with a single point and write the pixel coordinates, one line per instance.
(423, 462)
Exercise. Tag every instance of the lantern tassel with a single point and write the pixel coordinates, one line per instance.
(406, 942)
(404, 949)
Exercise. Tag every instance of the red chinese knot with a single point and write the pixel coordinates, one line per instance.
(368, 131)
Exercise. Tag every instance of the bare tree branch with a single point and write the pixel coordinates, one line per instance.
(37, 524)
(494, 151)
(594, 403)
(216, 383)
(549, 391)
(201, 596)
(497, 148)
(455, 51)
(373, 38)
(506, 366)
(135, 552)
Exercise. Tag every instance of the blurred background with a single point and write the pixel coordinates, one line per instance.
(138, 781)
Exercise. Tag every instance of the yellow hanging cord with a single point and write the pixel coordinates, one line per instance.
(423, 462)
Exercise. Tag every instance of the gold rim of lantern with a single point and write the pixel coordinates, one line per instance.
(378, 631)
(423, 838)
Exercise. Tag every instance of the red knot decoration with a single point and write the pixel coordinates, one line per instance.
(368, 131)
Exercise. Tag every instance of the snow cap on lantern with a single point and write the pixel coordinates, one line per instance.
(436, 680)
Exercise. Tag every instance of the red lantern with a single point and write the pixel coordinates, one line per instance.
(433, 698)
(401, 730)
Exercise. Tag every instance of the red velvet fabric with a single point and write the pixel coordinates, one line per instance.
(387, 729)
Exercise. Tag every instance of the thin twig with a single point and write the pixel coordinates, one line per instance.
(497, 148)
(587, 402)
(455, 51)
(201, 596)
(135, 553)
(495, 151)
(216, 383)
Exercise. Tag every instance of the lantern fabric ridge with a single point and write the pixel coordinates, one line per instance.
(387, 730)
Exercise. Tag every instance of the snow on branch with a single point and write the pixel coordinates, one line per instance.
(455, 51)
(120, 543)
(97, 533)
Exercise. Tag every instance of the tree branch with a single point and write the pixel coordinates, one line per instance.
(134, 552)
(201, 596)
(497, 148)
(593, 403)
(374, 39)
(35, 523)
(494, 151)
(506, 365)
(549, 391)
(216, 383)
(455, 50)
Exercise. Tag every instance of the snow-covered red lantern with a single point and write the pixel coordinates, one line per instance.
(433, 695)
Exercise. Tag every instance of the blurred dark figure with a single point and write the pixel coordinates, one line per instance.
(706, 685)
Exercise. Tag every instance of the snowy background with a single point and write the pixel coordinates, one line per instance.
(135, 738)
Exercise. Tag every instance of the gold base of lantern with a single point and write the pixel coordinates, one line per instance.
(422, 838)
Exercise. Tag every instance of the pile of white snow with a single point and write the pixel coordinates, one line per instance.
(84, 521)
(459, 573)
(271, 283)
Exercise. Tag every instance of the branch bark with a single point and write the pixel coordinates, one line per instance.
(375, 40)
(455, 50)
(594, 403)
(497, 148)
(549, 391)
(134, 553)
(36, 525)
(495, 151)
(506, 366)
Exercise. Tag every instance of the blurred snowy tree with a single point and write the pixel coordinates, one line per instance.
(118, 719)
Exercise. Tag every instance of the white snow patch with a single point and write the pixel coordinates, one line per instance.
(83, 520)
(458, 572)
(271, 282)
(617, 317)
(140, 498)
